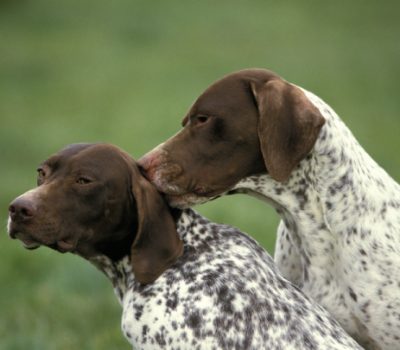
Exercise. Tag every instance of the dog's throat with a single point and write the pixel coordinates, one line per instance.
(117, 249)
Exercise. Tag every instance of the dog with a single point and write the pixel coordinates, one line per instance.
(339, 239)
(183, 282)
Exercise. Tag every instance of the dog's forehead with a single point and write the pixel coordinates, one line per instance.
(95, 150)
(231, 91)
(65, 153)
(223, 94)
(93, 155)
(75, 148)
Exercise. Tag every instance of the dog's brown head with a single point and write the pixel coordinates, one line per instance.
(249, 122)
(91, 199)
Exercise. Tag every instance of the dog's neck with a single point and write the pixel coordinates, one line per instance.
(119, 272)
(113, 259)
(315, 202)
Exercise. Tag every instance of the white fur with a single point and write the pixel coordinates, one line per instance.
(339, 239)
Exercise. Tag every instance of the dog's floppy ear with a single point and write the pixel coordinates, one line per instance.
(157, 245)
(288, 125)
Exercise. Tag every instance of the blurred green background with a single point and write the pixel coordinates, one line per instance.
(125, 72)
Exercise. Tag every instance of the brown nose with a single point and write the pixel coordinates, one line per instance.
(21, 210)
(149, 163)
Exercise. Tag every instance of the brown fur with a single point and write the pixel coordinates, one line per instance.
(82, 205)
(225, 121)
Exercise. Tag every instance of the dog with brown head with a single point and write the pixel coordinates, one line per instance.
(247, 123)
(92, 200)
(182, 280)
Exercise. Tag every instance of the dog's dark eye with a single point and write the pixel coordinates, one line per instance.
(41, 176)
(83, 180)
(200, 119)
(41, 172)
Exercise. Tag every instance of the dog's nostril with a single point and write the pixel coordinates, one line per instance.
(26, 212)
(146, 172)
(142, 170)
(150, 160)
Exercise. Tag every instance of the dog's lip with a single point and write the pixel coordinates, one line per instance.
(32, 246)
(15, 233)
(28, 241)
(193, 195)
(198, 191)
(29, 244)
(12, 229)
(187, 200)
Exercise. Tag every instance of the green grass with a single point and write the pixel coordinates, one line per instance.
(125, 72)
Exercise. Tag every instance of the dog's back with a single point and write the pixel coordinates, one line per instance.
(225, 293)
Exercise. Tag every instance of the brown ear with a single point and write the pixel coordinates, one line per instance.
(288, 127)
(157, 245)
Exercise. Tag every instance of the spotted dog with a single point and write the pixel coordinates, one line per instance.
(339, 238)
(183, 282)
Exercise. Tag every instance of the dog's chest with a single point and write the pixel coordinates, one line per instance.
(147, 321)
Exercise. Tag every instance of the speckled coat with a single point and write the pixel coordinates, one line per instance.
(339, 239)
(223, 293)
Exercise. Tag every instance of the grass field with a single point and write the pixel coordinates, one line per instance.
(125, 72)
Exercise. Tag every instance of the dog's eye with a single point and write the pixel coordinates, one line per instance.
(83, 180)
(200, 119)
(41, 172)
(41, 176)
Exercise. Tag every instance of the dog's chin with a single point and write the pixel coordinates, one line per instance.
(180, 201)
(61, 246)
(188, 200)
(31, 240)
(27, 241)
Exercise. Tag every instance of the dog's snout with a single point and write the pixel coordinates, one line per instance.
(21, 210)
(13, 234)
(149, 163)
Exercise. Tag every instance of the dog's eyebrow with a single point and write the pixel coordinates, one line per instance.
(52, 162)
(184, 121)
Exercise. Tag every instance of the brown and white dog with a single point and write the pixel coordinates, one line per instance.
(183, 282)
(339, 238)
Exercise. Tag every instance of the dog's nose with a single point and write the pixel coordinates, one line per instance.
(21, 210)
(149, 163)
(146, 161)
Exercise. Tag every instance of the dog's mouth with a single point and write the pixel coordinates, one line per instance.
(27, 241)
(30, 242)
(187, 200)
(62, 246)
(184, 201)
(185, 195)
(31, 245)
